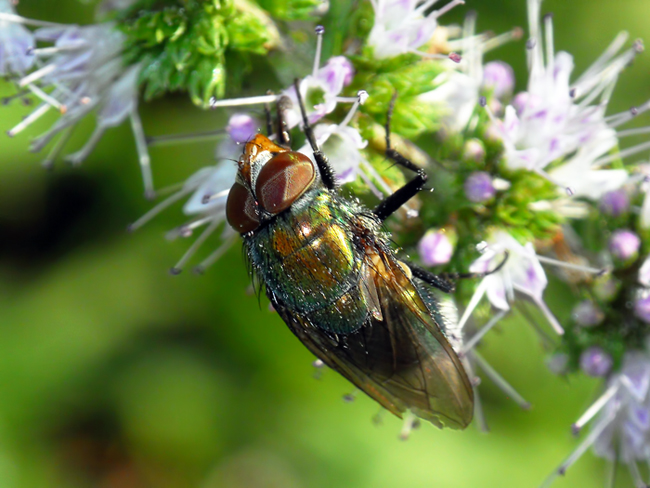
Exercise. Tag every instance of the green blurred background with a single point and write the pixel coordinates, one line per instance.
(115, 374)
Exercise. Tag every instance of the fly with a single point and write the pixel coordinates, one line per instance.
(330, 273)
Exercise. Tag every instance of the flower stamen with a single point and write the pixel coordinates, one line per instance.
(241, 102)
(595, 407)
(320, 30)
(30, 119)
(178, 268)
(498, 380)
(470, 344)
(598, 429)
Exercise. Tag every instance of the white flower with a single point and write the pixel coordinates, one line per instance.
(16, 44)
(522, 272)
(208, 189)
(458, 88)
(583, 179)
(342, 145)
(556, 120)
(457, 96)
(320, 91)
(621, 429)
(401, 26)
(83, 71)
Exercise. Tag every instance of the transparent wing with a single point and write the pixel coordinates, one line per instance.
(400, 358)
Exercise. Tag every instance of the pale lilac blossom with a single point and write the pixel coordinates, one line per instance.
(402, 26)
(320, 91)
(208, 191)
(242, 127)
(83, 71)
(556, 120)
(343, 146)
(620, 420)
(16, 44)
(458, 88)
(521, 273)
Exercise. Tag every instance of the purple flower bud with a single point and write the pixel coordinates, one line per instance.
(500, 77)
(558, 363)
(520, 101)
(587, 314)
(642, 306)
(615, 203)
(596, 362)
(624, 244)
(435, 248)
(242, 127)
(479, 187)
(473, 150)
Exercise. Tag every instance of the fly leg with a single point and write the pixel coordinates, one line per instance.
(327, 174)
(392, 203)
(446, 282)
(441, 282)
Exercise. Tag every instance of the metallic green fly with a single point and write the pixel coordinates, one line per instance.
(331, 274)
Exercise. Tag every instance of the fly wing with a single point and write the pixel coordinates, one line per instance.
(400, 358)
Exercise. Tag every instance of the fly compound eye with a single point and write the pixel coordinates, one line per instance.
(241, 210)
(282, 180)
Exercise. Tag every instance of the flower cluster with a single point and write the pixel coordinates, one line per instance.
(526, 183)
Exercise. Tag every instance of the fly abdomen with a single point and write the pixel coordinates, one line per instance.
(307, 258)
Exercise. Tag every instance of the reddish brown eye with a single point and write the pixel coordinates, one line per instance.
(240, 209)
(282, 180)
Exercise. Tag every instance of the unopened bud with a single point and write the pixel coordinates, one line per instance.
(596, 362)
(437, 246)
